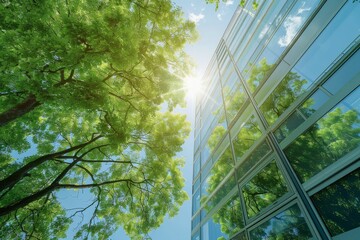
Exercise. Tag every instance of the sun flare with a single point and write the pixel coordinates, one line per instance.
(193, 86)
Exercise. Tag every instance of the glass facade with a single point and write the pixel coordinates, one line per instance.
(277, 136)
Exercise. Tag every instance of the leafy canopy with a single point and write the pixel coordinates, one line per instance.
(82, 86)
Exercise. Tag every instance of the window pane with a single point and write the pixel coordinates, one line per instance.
(247, 136)
(229, 217)
(327, 47)
(314, 102)
(211, 231)
(195, 221)
(257, 33)
(343, 198)
(196, 236)
(234, 96)
(289, 89)
(283, 37)
(218, 172)
(196, 166)
(196, 201)
(288, 29)
(217, 134)
(264, 189)
(333, 136)
(290, 124)
(331, 43)
(220, 194)
(348, 72)
(290, 224)
(196, 184)
(253, 159)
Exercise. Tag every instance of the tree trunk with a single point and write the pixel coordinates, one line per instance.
(29, 104)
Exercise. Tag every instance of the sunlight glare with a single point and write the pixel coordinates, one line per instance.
(192, 86)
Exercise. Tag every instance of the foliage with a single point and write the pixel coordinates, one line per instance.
(342, 198)
(82, 85)
(242, 3)
(332, 137)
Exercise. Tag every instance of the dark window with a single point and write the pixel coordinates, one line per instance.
(339, 204)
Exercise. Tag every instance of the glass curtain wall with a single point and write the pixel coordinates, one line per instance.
(277, 136)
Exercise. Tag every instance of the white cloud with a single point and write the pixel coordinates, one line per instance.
(219, 16)
(229, 2)
(192, 5)
(196, 17)
(291, 25)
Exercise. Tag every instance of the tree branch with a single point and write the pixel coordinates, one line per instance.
(20, 173)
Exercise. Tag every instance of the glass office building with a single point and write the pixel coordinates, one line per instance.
(277, 134)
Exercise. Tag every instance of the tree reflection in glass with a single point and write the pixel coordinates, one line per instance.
(329, 139)
(220, 169)
(264, 189)
(246, 137)
(289, 224)
(219, 194)
(343, 198)
(254, 158)
(230, 217)
(258, 74)
(234, 96)
(289, 89)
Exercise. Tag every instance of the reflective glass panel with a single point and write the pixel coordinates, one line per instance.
(196, 236)
(291, 25)
(328, 46)
(220, 194)
(330, 138)
(196, 166)
(264, 189)
(348, 72)
(343, 198)
(257, 33)
(196, 184)
(314, 102)
(289, 89)
(211, 231)
(195, 221)
(219, 171)
(282, 38)
(289, 224)
(234, 96)
(196, 202)
(332, 42)
(262, 150)
(216, 135)
(229, 217)
(197, 142)
(246, 137)
(290, 124)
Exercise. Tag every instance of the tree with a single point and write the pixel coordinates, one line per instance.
(242, 3)
(81, 92)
